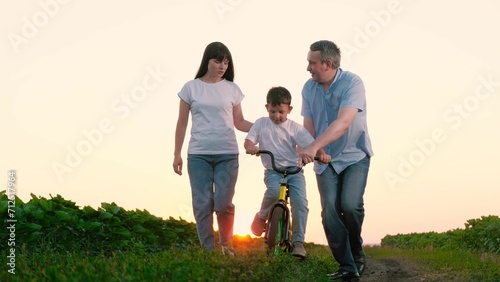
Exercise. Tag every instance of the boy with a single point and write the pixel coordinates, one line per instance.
(281, 136)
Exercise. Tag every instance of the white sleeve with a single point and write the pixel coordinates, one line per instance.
(254, 132)
(302, 137)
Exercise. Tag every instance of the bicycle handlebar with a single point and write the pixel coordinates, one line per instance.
(283, 171)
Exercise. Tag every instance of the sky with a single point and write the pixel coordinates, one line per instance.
(88, 100)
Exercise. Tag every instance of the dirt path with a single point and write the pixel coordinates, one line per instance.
(389, 269)
(395, 269)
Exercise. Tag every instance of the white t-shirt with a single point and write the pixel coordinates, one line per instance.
(211, 105)
(280, 139)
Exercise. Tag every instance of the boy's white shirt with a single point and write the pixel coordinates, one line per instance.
(280, 139)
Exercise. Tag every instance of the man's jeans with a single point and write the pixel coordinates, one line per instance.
(213, 179)
(343, 211)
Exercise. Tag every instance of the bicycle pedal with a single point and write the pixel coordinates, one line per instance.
(300, 258)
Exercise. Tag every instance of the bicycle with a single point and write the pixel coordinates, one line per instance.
(278, 227)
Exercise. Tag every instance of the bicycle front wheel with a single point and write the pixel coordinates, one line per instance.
(275, 234)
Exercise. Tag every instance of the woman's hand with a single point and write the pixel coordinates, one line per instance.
(178, 164)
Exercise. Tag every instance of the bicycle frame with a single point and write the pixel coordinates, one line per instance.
(282, 239)
(278, 224)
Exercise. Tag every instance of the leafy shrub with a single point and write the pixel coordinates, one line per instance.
(481, 235)
(57, 224)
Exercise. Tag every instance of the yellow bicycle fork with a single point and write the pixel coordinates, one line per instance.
(283, 193)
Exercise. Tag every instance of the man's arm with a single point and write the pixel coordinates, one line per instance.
(309, 125)
(336, 129)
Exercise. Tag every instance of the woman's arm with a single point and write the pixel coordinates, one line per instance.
(239, 121)
(180, 133)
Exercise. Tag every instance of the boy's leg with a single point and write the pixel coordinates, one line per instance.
(299, 204)
(271, 195)
(201, 178)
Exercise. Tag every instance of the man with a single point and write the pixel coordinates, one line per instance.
(334, 111)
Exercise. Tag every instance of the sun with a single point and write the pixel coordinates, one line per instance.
(242, 222)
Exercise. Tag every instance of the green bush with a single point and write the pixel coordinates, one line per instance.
(481, 235)
(57, 224)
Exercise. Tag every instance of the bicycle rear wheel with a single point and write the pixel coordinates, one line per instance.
(275, 231)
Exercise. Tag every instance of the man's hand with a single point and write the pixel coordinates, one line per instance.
(307, 155)
(323, 157)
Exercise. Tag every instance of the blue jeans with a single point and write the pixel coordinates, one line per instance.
(298, 200)
(213, 179)
(343, 211)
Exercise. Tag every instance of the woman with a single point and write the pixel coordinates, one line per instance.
(214, 101)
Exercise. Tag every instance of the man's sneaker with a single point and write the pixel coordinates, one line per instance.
(227, 250)
(343, 275)
(361, 264)
(298, 250)
(258, 225)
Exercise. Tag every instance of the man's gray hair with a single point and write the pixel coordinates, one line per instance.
(328, 52)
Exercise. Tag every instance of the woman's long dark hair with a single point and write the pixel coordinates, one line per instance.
(218, 51)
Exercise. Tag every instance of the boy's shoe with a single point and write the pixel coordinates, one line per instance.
(228, 250)
(258, 225)
(298, 250)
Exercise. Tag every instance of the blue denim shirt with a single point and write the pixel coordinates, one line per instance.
(346, 90)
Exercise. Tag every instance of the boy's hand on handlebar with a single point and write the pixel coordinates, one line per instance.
(253, 150)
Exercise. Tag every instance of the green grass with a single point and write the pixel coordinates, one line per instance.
(251, 263)
(56, 240)
(458, 265)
